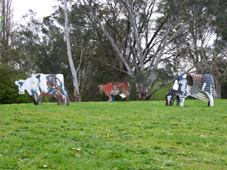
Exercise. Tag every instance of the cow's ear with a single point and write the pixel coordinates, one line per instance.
(99, 85)
(16, 82)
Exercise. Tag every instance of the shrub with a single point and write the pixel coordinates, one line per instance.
(8, 89)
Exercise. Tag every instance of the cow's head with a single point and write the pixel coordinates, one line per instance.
(101, 88)
(21, 86)
(170, 98)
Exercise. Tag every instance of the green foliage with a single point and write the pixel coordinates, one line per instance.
(160, 94)
(119, 135)
(8, 89)
(224, 91)
(83, 96)
(140, 78)
(218, 9)
(133, 93)
(46, 99)
(47, 53)
(167, 72)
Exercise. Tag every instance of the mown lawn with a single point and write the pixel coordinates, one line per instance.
(118, 135)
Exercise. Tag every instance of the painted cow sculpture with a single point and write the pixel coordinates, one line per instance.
(44, 85)
(114, 88)
(198, 86)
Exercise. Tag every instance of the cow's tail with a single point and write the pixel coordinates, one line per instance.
(129, 91)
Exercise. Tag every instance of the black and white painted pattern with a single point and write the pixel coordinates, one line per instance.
(198, 86)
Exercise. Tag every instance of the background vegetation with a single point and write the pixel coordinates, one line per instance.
(146, 41)
(8, 89)
(118, 135)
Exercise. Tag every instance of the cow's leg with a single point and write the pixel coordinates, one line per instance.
(35, 98)
(126, 92)
(211, 102)
(60, 98)
(182, 101)
(35, 102)
(60, 101)
(112, 98)
(67, 99)
(178, 100)
(127, 97)
(63, 100)
(40, 99)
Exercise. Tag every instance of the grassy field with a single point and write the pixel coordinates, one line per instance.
(118, 135)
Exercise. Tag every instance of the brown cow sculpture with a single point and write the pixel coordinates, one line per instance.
(114, 88)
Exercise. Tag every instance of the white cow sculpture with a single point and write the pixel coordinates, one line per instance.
(44, 85)
(198, 86)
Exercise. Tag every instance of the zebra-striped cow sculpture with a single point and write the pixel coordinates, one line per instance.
(198, 86)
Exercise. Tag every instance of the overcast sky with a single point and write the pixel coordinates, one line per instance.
(41, 7)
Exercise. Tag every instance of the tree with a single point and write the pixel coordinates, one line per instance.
(217, 8)
(24, 45)
(72, 67)
(216, 64)
(144, 33)
(5, 29)
(198, 37)
(199, 50)
(9, 70)
(45, 46)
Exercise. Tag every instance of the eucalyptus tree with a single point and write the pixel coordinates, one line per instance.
(217, 8)
(24, 42)
(5, 29)
(52, 48)
(204, 45)
(145, 30)
(82, 43)
(71, 63)
(215, 63)
(199, 36)
(38, 46)
(83, 39)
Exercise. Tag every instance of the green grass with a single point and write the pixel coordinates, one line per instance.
(118, 135)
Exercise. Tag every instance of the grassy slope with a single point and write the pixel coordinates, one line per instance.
(118, 135)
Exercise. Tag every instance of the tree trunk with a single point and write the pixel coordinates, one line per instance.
(72, 67)
(142, 92)
(218, 89)
(5, 24)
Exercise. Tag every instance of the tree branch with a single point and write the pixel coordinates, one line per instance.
(109, 64)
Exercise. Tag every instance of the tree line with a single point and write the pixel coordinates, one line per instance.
(144, 42)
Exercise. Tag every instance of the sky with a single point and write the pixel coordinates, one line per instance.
(41, 7)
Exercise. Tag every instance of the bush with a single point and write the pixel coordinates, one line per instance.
(8, 89)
